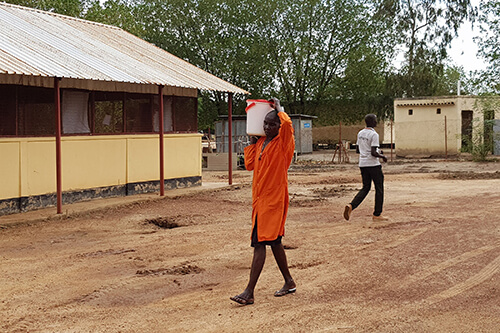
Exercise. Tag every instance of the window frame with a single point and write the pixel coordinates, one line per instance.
(189, 125)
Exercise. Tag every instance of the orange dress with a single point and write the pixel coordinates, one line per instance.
(270, 180)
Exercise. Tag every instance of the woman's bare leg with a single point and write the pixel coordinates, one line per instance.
(280, 257)
(259, 258)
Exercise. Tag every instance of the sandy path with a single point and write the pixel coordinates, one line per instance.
(435, 267)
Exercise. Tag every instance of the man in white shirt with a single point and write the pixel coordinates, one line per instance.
(371, 169)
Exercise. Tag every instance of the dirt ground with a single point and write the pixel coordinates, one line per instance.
(170, 264)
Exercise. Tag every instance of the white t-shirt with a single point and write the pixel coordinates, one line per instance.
(367, 138)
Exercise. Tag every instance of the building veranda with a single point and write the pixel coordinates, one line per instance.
(88, 110)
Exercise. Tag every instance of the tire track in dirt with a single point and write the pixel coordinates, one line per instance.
(55, 274)
(28, 324)
(141, 275)
(443, 265)
(403, 240)
(22, 325)
(487, 272)
(25, 324)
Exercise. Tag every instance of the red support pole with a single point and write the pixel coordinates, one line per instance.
(391, 139)
(162, 153)
(57, 102)
(230, 141)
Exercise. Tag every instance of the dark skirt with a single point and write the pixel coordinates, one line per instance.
(255, 238)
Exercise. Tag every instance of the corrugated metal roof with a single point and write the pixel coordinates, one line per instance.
(39, 43)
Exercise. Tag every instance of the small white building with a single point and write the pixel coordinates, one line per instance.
(437, 126)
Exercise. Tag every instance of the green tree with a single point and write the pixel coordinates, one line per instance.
(119, 13)
(426, 29)
(488, 81)
(217, 36)
(312, 44)
(313, 55)
(453, 79)
(66, 7)
(330, 58)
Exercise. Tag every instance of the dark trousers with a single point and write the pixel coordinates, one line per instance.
(369, 174)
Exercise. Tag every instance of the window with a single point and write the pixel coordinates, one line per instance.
(108, 114)
(185, 114)
(7, 110)
(167, 114)
(36, 111)
(438, 111)
(138, 114)
(27, 111)
(410, 112)
(30, 111)
(75, 112)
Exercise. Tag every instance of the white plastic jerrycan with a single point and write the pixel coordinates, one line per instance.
(256, 112)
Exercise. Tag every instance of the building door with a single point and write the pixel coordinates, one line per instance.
(466, 130)
(489, 116)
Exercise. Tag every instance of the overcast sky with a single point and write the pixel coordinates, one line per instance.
(463, 49)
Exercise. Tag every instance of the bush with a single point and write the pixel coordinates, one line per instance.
(480, 142)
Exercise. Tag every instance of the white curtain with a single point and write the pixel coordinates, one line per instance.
(167, 116)
(75, 118)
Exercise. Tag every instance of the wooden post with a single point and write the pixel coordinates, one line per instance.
(230, 139)
(209, 149)
(343, 155)
(391, 140)
(445, 139)
(57, 101)
(340, 142)
(162, 153)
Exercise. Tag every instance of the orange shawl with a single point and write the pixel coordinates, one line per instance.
(270, 180)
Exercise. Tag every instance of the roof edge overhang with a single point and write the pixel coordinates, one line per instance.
(434, 97)
(427, 104)
(100, 85)
(431, 100)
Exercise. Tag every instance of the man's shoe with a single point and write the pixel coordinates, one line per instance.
(380, 218)
(347, 211)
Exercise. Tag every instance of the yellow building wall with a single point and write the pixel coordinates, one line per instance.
(38, 166)
(95, 161)
(9, 169)
(423, 132)
(180, 159)
(144, 158)
(182, 153)
(28, 165)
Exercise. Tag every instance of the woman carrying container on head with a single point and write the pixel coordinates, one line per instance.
(269, 157)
